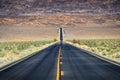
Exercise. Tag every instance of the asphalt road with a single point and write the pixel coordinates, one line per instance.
(41, 66)
(79, 65)
(76, 65)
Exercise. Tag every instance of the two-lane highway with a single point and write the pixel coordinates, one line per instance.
(80, 65)
(75, 65)
(41, 66)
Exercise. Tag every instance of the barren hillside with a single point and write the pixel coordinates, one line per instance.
(40, 7)
(40, 19)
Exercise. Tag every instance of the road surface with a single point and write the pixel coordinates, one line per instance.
(75, 65)
(41, 66)
(80, 65)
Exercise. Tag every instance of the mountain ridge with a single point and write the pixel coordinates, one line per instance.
(38, 7)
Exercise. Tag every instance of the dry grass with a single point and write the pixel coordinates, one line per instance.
(12, 51)
(104, 47)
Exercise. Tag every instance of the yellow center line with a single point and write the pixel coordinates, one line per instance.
(58, 66)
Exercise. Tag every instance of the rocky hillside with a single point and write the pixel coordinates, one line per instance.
(38, 7)
(82, 19)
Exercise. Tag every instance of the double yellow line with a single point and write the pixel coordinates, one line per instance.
(58, 65)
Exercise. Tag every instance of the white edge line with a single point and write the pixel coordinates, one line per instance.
(98, 56)
(22, 59)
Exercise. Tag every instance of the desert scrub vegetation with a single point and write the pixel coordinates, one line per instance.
(11, 51)
(106, 47)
